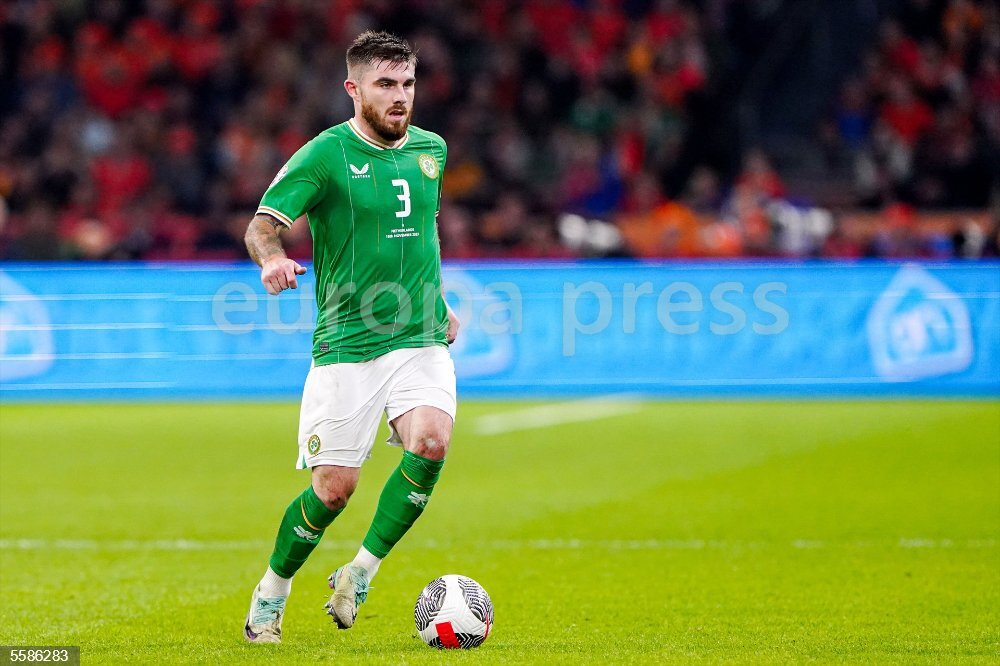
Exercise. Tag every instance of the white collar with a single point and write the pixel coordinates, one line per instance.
(374, 144)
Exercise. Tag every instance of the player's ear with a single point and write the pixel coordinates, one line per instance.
(351, 86)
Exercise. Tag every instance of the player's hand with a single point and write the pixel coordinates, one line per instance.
(279, 273)
(453, 325)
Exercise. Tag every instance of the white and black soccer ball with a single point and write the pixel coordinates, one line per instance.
(453, 612)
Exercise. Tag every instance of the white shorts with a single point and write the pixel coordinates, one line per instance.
(342, 402)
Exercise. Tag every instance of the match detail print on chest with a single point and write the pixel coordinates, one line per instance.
(396, 189)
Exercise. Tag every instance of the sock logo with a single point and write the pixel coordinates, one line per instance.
(418, 499)
(305, 534)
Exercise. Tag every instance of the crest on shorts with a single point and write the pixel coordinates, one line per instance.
(428, 165)
(313, 445)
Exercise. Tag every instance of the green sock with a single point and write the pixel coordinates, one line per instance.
(402, 501)
(301, 528)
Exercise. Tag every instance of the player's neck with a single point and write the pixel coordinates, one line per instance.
(362, 127)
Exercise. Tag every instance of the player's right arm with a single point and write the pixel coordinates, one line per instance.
(277, 271)
(298, 187)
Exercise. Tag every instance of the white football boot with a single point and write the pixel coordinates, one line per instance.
(264, 618)
(350, 590)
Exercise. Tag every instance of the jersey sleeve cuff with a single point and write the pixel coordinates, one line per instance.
(276, 214)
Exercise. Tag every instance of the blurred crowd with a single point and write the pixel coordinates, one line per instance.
(919, 125)
(150, 129)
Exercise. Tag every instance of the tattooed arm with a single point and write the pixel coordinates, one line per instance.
(262, 238)
(277, 271)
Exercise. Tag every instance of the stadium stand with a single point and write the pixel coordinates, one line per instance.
(149, 130)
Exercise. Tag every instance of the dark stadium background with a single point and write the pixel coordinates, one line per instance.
(694, 128)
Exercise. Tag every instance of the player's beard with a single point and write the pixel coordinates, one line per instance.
(387, 130)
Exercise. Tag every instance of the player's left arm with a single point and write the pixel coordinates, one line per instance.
(454, 323)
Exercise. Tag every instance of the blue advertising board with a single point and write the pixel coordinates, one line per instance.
(156, 331)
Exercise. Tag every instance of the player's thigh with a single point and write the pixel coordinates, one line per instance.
(425, 431)
(421, 404)
(341, 407)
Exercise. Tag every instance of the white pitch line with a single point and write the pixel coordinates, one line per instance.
(561, 413)
(127, 544)
(175, 545)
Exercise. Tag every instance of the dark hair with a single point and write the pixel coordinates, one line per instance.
(371, 47)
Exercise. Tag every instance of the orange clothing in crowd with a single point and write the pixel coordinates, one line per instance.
(962, 16)
(669, 230)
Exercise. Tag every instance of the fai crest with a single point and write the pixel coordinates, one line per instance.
(313, 445)
(428, 165)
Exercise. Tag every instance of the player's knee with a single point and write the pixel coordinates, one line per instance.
(431, 445)
(333, 498)
(333, 493)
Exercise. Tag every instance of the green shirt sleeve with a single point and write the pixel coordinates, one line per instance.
(298, 186)
(443, 157)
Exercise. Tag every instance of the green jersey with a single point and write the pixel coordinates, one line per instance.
(372, 213)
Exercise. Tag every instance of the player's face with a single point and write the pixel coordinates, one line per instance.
(386, 96)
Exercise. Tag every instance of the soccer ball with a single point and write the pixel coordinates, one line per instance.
(453, 612)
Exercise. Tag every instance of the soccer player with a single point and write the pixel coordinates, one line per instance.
(371, 189)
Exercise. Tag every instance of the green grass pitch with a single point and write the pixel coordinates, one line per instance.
(840, 531)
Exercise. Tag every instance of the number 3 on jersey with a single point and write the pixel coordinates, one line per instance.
(404, 196)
